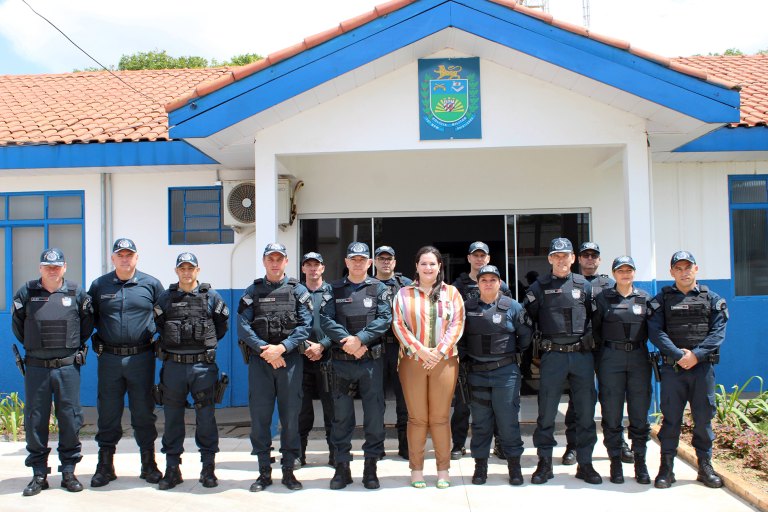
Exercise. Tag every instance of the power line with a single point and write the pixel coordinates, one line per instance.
(153, 100)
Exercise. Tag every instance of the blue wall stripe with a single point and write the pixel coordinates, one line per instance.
(111, 154)
(604, 63)
(741, 138)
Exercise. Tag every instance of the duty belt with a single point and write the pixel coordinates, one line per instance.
(125, 351)
(209, 356)
(627, 346)
(549, 346)
(49, 363)
(710, 358)
(492, 365)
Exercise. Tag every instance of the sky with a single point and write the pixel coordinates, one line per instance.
(221, 29)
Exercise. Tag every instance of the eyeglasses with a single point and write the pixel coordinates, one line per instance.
(589, 255)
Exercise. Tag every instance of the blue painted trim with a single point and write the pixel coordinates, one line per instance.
(251, 95)
(116, 154)
(741, 138)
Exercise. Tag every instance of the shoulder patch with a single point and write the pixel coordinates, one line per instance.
(530, 297)
(17, 304)
(385, 295)
(158, 310)
(654, 305)
(524, 319)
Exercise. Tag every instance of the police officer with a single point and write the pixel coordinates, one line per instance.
(496, 330)
(273, 320)
(688, 327)
(619, 324)
(589, 262)
(123, 302)
(384, 261)
(356, 320)
(53, 319)
(191, 317)
(316, 365)
(478, 256)
(560, 303)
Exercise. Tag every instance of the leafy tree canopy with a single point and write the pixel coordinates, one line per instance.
(159, 59)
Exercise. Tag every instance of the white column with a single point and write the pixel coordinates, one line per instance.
(638, 207)
(266, 200)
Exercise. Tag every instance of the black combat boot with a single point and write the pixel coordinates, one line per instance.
(289, 480)
(666, 476)
(370, 480)
(627, 457)
(38, 483)
(481, 472)
(515, 471)
(105, 468)
(264, 480)
(171, 479)
(208, 475)
(303, 457)
(498, 451)
(543, 471)
(587, 473)
(402, 444)
(70, 482)
(641, 470)
(707, 474)
(457, 452)
(617, 471)
(149, 470)
(569, 456)
(342, 477)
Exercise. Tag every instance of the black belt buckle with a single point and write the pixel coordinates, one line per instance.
(210, 356)
(629, 347)
(54, 363)
(545, 345)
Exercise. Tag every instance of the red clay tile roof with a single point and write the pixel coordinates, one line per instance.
(97, 107)
(92, 107)
(750, 72)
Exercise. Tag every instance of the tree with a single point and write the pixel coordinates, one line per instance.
(159, 59)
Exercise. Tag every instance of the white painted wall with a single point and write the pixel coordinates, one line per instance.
(691, 212)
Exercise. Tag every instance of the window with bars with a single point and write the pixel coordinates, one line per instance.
(196, 217)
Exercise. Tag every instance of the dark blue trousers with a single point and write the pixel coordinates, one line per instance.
(622, 376)
(64, 384)
(368, 373)
(267, 386)
(312, 385)
(392, 379)
(459, 420)
(496, 402)
(578, 369)
(119, 375)
(679, 387)
(180, 380)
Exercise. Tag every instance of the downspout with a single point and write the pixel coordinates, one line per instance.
(106, 221)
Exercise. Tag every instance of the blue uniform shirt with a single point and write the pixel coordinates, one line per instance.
(123, 310)
(374, 330)
(319, 298)
(717, 319)
(303, 318)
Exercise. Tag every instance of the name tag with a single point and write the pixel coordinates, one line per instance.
(680, 306)
(339, 301)
(178, 304)
(107, 296)
(557, 290)
(39, 299)
(267, 299)
(470, 313)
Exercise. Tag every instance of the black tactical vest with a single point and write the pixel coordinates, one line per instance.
(274, 310)
(485, 332)
(686, 317)
(53, 320)
(563, 311)
(355, 309)
(625, 320)
(468, 288)
(188, 325)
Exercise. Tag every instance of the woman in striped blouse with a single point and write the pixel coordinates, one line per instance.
(428, 319)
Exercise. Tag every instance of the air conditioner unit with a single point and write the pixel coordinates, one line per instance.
(239, 203)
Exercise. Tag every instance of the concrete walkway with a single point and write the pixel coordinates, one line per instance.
(236, 470)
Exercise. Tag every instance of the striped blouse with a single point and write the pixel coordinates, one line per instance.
(418, 322)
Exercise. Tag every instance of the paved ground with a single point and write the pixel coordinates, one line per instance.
(236, 470)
